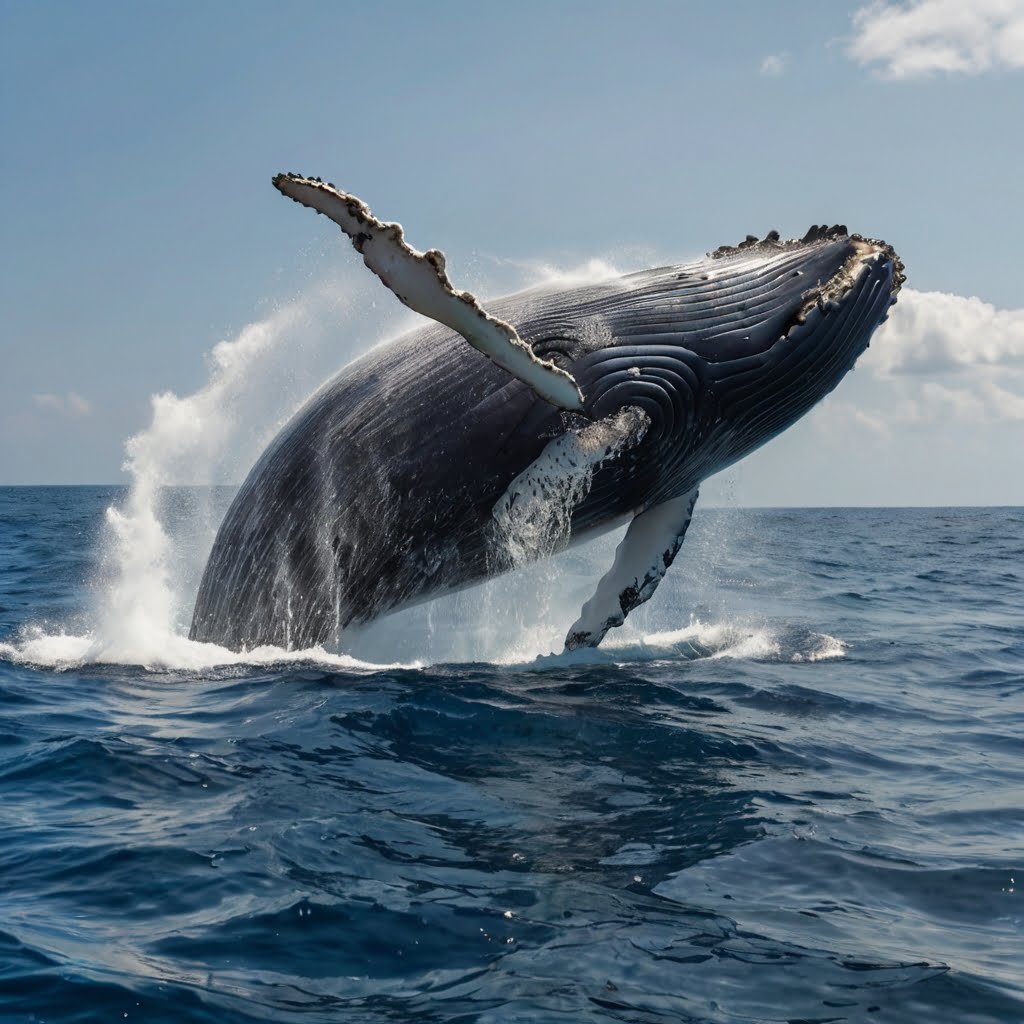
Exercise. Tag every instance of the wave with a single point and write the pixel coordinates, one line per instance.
(61, 651)
(64, 651)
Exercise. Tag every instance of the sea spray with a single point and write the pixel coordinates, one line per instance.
(151, 561)
(189, 440)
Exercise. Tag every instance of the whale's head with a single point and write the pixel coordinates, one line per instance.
(725, 353)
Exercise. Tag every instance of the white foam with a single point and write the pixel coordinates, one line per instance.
(150, 566)
(719, 640)
(630, 646)
(63, 651)
(712, 640)
(829, 647)
(517, 649)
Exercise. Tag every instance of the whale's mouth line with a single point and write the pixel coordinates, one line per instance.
(867, 253)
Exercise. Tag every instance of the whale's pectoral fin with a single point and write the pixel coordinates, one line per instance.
(641, 561)
(420, 281)
(533, 517)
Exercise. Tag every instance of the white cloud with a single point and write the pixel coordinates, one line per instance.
(77, 405)
(846, 416)
(922, 37)
(774, 64)
(986, 402)
(940, 357)
(937, 332)
(71, 404)
(52, 402)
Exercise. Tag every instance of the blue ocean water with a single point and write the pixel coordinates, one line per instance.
(792, 791)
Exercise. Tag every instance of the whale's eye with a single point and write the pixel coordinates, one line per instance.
(555, 349)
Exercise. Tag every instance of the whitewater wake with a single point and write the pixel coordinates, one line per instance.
(168, 653)
(65, 651)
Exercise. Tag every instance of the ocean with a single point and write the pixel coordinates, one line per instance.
(790, 789)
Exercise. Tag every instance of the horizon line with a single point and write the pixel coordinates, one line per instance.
(707, 506)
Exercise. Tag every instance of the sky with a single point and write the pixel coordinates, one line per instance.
(141, 232)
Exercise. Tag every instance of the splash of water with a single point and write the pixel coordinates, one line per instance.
(197, 437)
(149, 571)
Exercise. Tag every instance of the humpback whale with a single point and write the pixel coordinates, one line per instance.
(497, 435)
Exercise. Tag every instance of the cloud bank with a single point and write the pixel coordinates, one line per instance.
(940, 358)
(936, 332)
(925, 37)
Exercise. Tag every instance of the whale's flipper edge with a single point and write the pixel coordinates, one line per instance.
(642, 558)
(420, 281)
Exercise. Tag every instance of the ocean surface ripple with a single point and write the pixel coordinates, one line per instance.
(793, 792)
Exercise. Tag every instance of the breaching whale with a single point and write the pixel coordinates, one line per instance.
(431, 464)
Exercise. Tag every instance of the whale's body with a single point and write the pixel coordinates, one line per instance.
(424, 467)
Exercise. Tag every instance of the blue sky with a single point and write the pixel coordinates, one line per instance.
(141, 229)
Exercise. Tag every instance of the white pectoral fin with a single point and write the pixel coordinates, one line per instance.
(641, 561)
(420, 281)
(534, 515)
